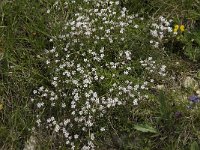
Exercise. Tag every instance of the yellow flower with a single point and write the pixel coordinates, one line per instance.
(1, 106)
(176, 28)
(182, 28)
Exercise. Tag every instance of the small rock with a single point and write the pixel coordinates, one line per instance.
(31, 143)
(198, 92)
(190, 82)
(160, 87)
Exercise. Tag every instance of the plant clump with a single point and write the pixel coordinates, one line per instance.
(92, 72)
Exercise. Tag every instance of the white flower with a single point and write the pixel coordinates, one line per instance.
(92, 136)
(57, 128)
(38, 121)
(53, 104)
(66, 122)
(85, 147)
(125, 72)
(151, 41)
(136, 26)
(102, 129)
(48, 11)
(63, 105)
(156, 45)
(175, 33)
(39, 105)
(117, 3)
(76, 136)
(34, 91)
(135, 102)
(67, 142)
(154, 33)
(169, 29)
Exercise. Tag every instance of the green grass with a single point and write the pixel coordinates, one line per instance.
(25, 33)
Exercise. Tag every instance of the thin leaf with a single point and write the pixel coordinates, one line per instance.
(145, 128)
(194, 146)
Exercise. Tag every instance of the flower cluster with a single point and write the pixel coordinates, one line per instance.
(91, 72)
(160, 30)
(150, 65)
(194, 98)
(177, 27)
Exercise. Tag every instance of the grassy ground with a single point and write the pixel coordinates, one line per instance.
(25, 30)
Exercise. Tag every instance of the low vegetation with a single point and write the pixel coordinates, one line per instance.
(99, 74)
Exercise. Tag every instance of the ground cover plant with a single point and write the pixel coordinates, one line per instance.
(99, 74)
